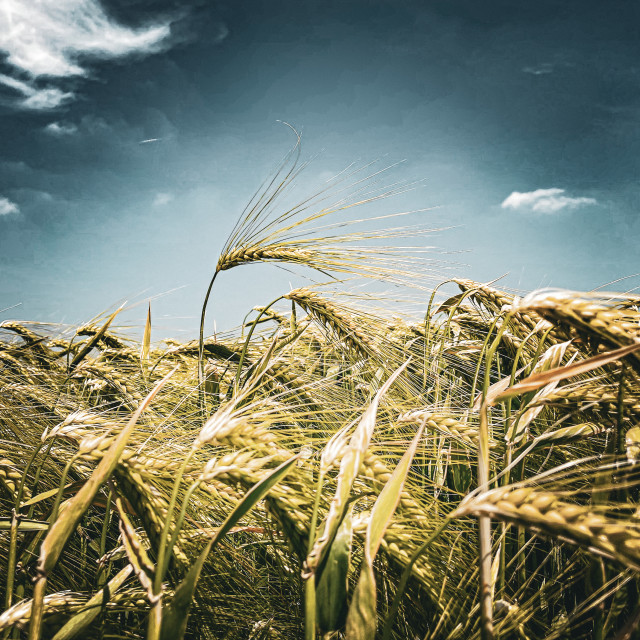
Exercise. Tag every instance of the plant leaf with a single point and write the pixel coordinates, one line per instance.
(549, 360)
(146, 338)
(331, 591)
(136, 553)
(537, 380)
(495, 568)
(362, 620)
(495, 388)
(24, 524)
(72, 486)
(82, 354)
(389, 497)
(349, 468)
(78, 623)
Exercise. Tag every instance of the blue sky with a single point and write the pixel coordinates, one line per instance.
(134, 131)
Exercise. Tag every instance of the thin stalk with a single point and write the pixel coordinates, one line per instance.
(179, 521)
(310, 584)
(484, 522)
(155, 620)
(13, 536)
(484, 531)
(248, 340)
(103, 539)
(11, 562)
(477, 371)
(37, 608)
(617, 436)
(201, 397)
(427, 336)
(597, 572)
(508, 456)
(163, 549)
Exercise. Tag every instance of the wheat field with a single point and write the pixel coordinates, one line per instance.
(332, 468)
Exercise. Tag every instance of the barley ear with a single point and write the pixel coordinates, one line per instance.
(66, 524)
(82, 354)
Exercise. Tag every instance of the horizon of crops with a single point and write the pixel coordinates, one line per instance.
(334, 467)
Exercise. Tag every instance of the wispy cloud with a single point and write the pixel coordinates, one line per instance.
(50, 40)
(545, 201)
(7, 207)
(540, 69)
(219, 33)
(162, 199)
(31, 97)
(60, 129)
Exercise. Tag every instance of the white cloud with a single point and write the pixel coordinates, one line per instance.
(544, 201)
(7, 207)
(35, 98)
(540, 70)
(60, 129)
(17, 85)
(50, 39)
(45, 99)
(161, 199)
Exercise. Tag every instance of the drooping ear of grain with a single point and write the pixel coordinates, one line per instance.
(544, 513)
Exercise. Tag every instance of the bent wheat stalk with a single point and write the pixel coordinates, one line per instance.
(544, 513)
(260, 235)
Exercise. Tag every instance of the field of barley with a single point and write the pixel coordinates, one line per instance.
(337, 466)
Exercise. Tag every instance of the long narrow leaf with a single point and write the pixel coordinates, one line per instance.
(79, 623)
(82, 354)
(146, 338)
(362, 620)
(24, 525)
(349, 468)
(136, 553)
(534, 382)
(331, 591)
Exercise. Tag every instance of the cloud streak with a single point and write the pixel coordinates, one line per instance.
(47, 41)
(35, 98)
(545, 201)
(539, 70)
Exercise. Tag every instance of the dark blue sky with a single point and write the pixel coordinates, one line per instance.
(523, 119)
